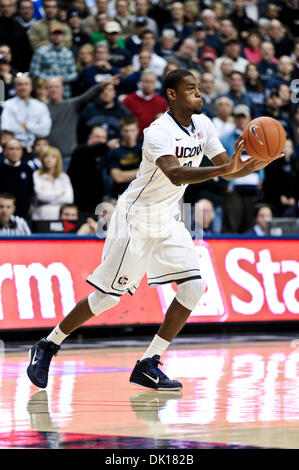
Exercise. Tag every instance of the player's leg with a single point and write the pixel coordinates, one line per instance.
(174, 260)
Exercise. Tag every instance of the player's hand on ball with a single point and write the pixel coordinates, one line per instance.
(236, 164)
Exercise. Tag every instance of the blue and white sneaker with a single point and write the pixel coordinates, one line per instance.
(41, 355)
(146, 374)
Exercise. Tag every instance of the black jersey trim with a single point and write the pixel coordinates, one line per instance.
(183, 279)
(101, 290)
(172, 274)
(180, 125)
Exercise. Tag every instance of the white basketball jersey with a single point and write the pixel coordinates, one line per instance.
(152, 198)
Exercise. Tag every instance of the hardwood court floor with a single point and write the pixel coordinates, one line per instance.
(241, 393)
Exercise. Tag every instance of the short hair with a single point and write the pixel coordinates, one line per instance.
(68, 206)
(6, 195)
(236, 72)
(261, 205)
(128, 121)
(174, 79)
(146, 31)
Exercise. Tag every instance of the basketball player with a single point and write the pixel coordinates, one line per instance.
(145, 234)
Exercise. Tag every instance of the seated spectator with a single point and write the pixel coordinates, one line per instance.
(219, 10)
(284, 93)
(90, 23)
(85, 57)
(237, 93)
(81, 6)
(160, 12)
(207, 92)
(54, 60)
(232, 50)
(7, 77)
(281, 182)
(119, 57)
(167, 43)
(101, 70)
(13, 35)
(39, 31)
(240, 18)
(65, 116)
(34, 161)
(208, 62)
(40, 90)
(26, 117)
(123, 17)
(222, 83)
(25, 15)
(263, 214)
(279, 37)
(209, 19)
(186, 56)
(204, 215)
(226, 31)
(79, 36)
(98, 34)
(285, 73)
(272, 12)
(52, 187)
(263, 27)
(191, 13)
(145, 104)
(88, 164)
(273, 108)
(157, 64)
(295, 121)
(223, 120)
(5, 51)
(254, 87)
(16, 177)
(133, 43)
(105, 111)
(123, 162)
(5, 136)
(10, 224)
(294, 57)
(268, 68)
(70, 212)
(199, 34)
(252, 50)
(242, 193)
(177, 23)
(141, 14)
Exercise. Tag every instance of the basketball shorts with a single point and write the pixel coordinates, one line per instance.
(127, 256)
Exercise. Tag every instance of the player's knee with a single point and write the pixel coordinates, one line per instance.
(190, 292)
(99, 302)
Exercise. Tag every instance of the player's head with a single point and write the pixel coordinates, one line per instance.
(181, 89)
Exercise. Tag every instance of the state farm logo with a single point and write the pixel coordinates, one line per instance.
(21, 275)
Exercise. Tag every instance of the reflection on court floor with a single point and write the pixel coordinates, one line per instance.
(235, 394)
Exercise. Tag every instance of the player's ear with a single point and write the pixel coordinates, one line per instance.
(171, 94)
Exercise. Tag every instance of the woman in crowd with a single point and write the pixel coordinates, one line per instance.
(52, 186)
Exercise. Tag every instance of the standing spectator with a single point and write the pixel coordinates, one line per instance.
(240, 18)
(177, 23)
(7, 76)
(207, 92)
(15, 36)
(101, 70)
(124, 18)
(268, 65)
(39, 32)
(79, 36)
(237, 91)
(278, 35)
(252, 50)
(16, 177)
(65, 116)
(281, 182)
(119, 57)
(157, 64)
(106, 111)
(54, 60)
(10, 224)
(186, 56)
(52, 187)
(123, 162)
(145, 104)
(243, 193)
(223, 120)
(25, 15)
(254, 87)
(141, 13)
(233, 51)
(87, 164)
(263, 214)
(26, 117)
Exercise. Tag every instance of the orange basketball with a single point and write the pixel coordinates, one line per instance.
(264, 137)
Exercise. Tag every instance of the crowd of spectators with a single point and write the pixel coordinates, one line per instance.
(81, 80)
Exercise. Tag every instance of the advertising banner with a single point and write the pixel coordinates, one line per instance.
(247, 280)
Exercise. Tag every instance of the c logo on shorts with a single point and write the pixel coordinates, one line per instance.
(122, 280)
